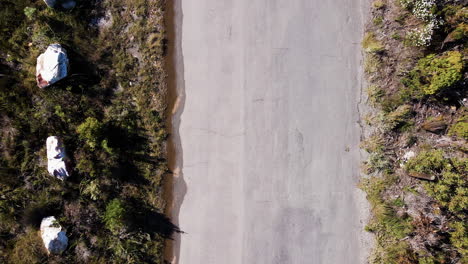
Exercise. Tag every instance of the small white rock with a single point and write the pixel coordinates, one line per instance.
(52, 65)
(408, 155)
(56, 158)
(54, 238)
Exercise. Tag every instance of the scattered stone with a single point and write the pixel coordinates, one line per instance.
(56, 158)
(436, 125)
(422, 176)
(54, 238)
(52, 65)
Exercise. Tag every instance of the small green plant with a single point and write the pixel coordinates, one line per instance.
(371, 44)
(90, 132)
(30, 12)
(379, 4)
(378, 21)
(114, 216)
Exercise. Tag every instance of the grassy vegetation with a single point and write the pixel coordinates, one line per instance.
(371, 44)
(110, 113)
(417, 84)
(390, 229)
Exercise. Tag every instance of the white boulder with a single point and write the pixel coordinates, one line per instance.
(54, 238)
(56, 158)
(50, 3)
(52, 65)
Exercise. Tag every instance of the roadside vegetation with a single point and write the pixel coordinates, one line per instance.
(110, 112)
(416, 131)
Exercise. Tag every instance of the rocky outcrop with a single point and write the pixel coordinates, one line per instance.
(56, 164)
(52, 65)
(66, 4)
(54, 238)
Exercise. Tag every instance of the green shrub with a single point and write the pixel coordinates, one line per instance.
(371, 44)
(451, 190)
(435, 73)
(90, 132)
(429, 162)
(460, 129)
(114, 216)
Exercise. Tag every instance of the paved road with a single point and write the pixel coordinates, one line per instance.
(267, 132)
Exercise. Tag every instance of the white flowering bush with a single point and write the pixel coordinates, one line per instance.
(421, 37)
(424, 10)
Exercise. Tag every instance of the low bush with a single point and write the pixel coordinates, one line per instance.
(460, 128)
(427, 161)
(114, 216)
(434, 74)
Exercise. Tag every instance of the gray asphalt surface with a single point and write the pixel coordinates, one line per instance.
(267, 133)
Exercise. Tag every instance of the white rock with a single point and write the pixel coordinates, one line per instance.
(56, 158)
(54, 238)
(52, 65)
(408, 155)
